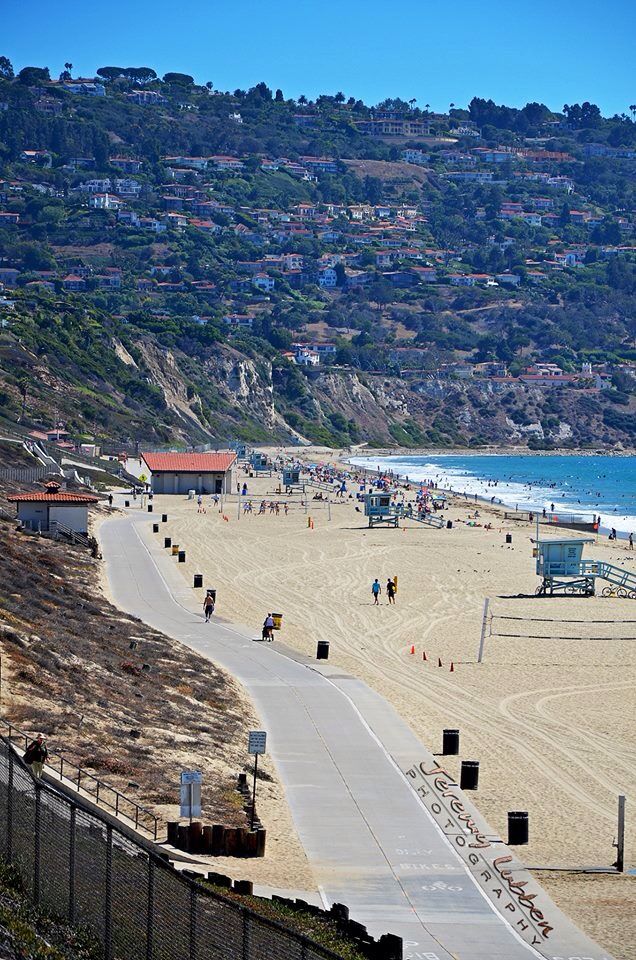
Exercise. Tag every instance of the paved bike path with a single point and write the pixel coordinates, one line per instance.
(340, 749)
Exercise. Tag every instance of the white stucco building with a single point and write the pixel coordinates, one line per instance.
(42, 510)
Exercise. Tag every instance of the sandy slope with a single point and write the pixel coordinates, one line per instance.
(552, 721)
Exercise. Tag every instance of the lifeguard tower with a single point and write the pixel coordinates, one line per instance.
(562, 569)
(291, 477)
(377, 507)
(259, 462)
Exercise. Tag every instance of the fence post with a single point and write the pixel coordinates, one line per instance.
(150, 912)
(37, 836)
(246, 935)
(193, 921)
(10, 808)
(71, 866)
(108, 906)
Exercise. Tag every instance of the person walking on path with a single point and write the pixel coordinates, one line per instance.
(390, 590)
(376, 590)
(268, 628)
(631, 541)
(208, 606)
(35, 756)
(110, 499)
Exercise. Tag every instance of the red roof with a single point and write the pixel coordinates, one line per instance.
(80, 498)
(188, 462)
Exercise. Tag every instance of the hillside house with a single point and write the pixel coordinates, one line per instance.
(177, 473)
(104, 201)
(262, 282)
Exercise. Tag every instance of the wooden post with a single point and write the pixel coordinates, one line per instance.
(480, 655)
(620, 835)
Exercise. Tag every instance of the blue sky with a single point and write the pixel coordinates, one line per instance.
(438, 51)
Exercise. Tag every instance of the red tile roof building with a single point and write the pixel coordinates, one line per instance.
(181, 472)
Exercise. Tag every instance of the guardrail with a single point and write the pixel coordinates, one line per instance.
(99, 792)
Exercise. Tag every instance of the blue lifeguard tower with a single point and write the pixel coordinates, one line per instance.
(291, 477)
(259, 462)
(377, 507)
(562, 569)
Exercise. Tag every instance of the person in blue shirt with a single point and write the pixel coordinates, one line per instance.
(376, 590)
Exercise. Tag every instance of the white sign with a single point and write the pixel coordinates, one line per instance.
(190, 799)
(191, 776)
(257, 741)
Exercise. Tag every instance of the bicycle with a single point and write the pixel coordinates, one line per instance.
(619, 592)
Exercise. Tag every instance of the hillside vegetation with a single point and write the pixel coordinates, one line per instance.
(176, 260)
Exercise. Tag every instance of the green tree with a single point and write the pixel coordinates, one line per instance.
(6, 69)
(31, 76)
(110, 73)
(178, 79)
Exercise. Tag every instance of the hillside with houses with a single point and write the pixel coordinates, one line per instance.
(181, 264)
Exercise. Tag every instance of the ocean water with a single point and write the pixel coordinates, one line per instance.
(600, 485)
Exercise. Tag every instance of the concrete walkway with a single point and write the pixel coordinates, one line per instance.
(399, 859)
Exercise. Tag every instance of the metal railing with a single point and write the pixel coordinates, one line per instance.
(100, 792)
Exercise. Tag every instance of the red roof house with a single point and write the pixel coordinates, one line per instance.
(181, 472)
(44, 509)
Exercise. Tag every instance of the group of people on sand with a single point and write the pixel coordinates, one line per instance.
(391, 590)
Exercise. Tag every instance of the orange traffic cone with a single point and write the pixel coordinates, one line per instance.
(413, 648)
(424, 657)
(439, 662)
(452, 667)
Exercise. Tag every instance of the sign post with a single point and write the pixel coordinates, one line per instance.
(190, 800)
(256, 744)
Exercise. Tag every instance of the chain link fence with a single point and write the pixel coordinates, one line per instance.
(78, 866)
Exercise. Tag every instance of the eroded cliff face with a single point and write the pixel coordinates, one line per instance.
(370, 405)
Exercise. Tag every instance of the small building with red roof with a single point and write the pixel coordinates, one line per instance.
(181, 472)
(42, 509)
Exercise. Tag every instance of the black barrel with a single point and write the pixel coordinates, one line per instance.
(517, 827)
(469, 776)
(450, 743)
(155, 528)
(167, 541)
(449, 524)
(198, 580)
(508, 538)
(322, 650)
(164, 517)
(149, 508)
(126, 503)
(181, 556)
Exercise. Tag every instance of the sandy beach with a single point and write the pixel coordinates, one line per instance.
(550, 711)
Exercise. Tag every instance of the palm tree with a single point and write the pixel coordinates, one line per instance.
(68, 66)
(412, 102)
(302, 98)
(451, 106)
(632, 110)
(428, 106)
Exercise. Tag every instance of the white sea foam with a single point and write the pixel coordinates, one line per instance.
(507, 493)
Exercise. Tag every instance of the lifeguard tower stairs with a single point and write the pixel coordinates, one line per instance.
(381, 512)
(562, 569)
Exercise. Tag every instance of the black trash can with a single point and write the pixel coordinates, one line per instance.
(449, 524)
(322, 650)
(181, 556)
(164, 517)
(198, 580)
(167, 541)
(469, 776)
(126, 503)
(155, 528)
(508, 538)
(517, 827)
(149, 508)
(450, 743)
